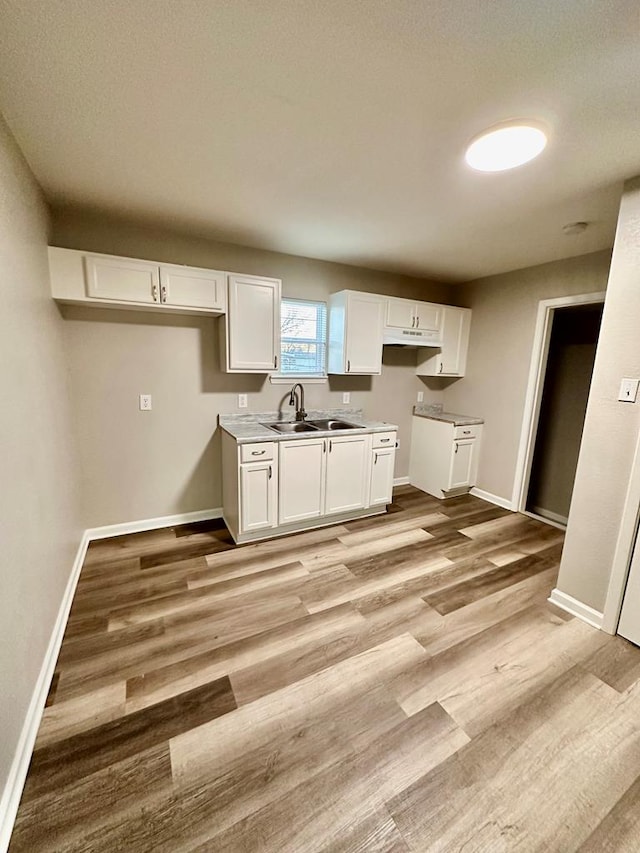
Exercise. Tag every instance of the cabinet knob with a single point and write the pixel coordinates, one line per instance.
(258, 452)
(384, 440)
(440, 371)
(270, 472)
(348, 366)
(275, 362)
(375, 458)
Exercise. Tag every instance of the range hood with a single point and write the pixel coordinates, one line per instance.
(411, 338)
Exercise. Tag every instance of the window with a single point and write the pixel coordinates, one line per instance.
(303, 338)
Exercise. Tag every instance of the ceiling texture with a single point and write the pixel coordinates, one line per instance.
(334, 129)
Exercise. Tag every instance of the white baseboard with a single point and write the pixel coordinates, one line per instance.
(505, 503)
(18, 773)
(576, 608)
(401, 481)
(550, 516)
(125, 527)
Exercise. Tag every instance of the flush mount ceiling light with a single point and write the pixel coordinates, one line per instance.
(506, 146)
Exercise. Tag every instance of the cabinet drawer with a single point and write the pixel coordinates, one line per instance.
(384, 439)
(257, 452)
(466, 431)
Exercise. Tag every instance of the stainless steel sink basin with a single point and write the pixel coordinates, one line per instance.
(291, 426)
(330, 423)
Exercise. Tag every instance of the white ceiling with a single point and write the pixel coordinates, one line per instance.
(332, 128)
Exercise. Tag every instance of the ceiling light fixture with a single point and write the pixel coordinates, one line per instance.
(506, 146)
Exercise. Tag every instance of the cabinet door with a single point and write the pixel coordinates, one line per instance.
(428, 316)
(122, 279)
(347, 466)
(365, 324)
(301, 479)
(463, 463)
(258, 495)
(401, 313)
(381, 485)
(192, 288)
(455, 340)
(253, 324)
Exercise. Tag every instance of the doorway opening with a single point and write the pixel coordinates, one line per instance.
(560, 379)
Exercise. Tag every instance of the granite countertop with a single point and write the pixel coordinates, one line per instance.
(249, 427)
(434, 412)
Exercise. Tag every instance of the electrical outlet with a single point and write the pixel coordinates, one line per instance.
(242, 401)
(421, 396)
(145, 402)
(346, 397)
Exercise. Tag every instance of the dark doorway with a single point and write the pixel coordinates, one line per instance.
(572, 350)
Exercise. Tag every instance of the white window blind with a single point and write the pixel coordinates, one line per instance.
(303, 338)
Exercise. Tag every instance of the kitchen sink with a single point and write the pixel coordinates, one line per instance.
(329, 423)
(292, 426)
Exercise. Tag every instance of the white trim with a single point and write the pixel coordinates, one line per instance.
(625, 546)
(400, 481)
(543, 519)
(276, 379)
(576, 608)
(20, 765)
(537, 369)
(122, 529)
(505, 503)
(548, 515)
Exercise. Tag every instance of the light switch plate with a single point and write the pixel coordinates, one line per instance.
(242, 401)
(346, 397)
(421, 396)
(145, 402)
(628, 390)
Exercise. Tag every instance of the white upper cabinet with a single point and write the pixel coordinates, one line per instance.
(451, 360)
(192, 288)
(251, 339)
(80, 278)
(356, 325)
(122, 279)
(428, 316)
(406, 314)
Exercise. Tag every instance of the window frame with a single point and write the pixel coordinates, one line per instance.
(278, 377)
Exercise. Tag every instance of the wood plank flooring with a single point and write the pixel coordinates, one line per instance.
(390, 684)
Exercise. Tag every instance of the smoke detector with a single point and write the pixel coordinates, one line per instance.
(575, 227)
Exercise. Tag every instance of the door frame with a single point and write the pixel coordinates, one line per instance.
(535, 387)
(628, 540)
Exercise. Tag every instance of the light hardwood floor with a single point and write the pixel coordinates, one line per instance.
(392, 684)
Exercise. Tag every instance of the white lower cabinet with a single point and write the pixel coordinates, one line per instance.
(279, 487)
(302, 479)
(347, 459)
(258, 496)
(382, 465)
(444, 457)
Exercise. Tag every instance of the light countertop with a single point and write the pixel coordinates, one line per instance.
(435, 413)
(250, 427)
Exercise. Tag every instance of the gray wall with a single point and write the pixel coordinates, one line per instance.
(40, 523)
(137, 465)
(502, 329)
(611, 427)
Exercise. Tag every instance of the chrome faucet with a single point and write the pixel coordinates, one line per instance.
(298, 402)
